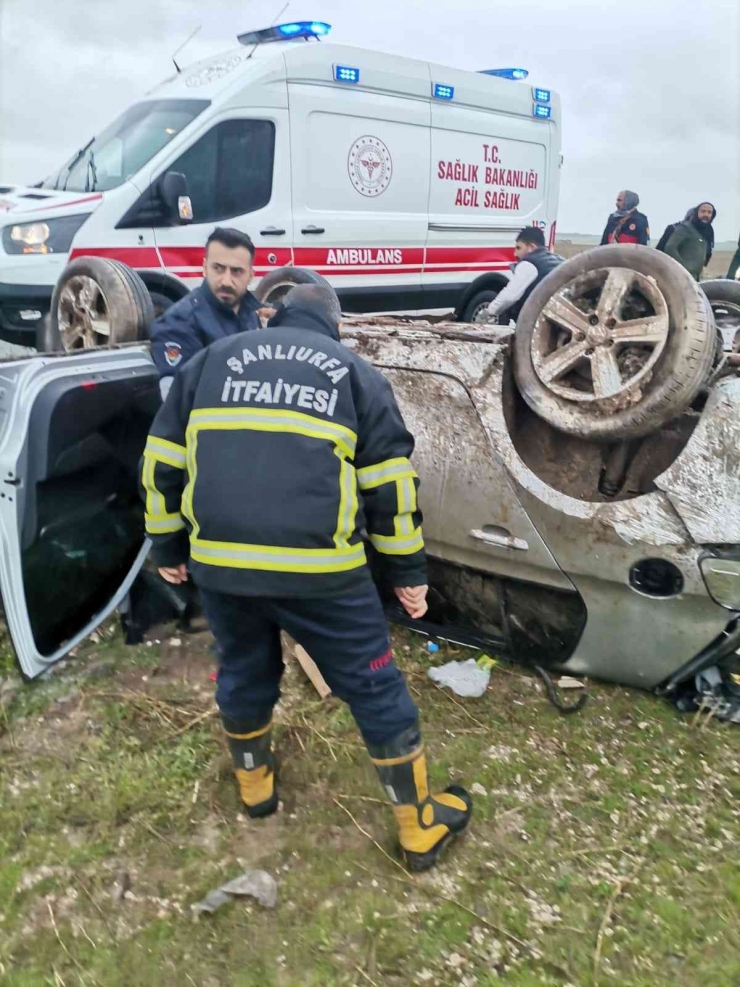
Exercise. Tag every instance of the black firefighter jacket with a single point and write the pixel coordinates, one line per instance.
(273, 453)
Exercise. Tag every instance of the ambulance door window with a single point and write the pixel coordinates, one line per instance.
(229, 170)
(238, 174)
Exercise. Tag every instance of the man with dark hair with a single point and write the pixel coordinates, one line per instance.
(269, 459)
(692, 242)
(626, 224)
(535, 263)
(221, 306)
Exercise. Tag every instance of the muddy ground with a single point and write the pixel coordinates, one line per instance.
(603, 849)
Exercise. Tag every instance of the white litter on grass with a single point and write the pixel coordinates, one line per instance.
(466, 678)
(477, 789)
(252, 883)
(568, 682)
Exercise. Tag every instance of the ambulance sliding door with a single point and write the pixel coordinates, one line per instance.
(360, 176)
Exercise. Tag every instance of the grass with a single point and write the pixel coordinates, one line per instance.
(603, 852)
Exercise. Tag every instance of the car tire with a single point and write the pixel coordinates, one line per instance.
(274, 286)
(614, 343)
(96, 303)
(477, 305)
(160, 302)
(724, 298)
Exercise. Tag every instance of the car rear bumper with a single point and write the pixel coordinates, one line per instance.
(22, 307)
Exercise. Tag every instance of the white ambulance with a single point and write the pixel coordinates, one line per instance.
(402, 182)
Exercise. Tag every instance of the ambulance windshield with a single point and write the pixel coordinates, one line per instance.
(126, 145)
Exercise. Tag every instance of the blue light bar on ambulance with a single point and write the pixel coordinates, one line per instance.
(285, 32)
(442, 92)
(544, 112)
(541, 95)
(516, 74)
(345, 73)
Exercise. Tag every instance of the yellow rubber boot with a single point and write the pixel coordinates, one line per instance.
(427, 823)
(254, 765)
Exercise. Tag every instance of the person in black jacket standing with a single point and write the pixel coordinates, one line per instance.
(271, 455)
(626, 224)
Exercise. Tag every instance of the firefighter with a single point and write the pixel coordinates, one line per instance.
(534, 264)
(221, 306)
(626, 224)
(270, 456)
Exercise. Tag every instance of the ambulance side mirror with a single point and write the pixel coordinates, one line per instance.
(173, 190)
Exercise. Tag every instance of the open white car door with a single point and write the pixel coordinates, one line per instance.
(72, 429)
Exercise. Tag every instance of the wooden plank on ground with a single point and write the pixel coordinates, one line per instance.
(310, 667)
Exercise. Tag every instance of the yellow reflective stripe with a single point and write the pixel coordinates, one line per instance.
(274, 558)
(250, 736)
(155, 505)
(391, 762)
(158, 520)
(272, 420)
(347, 502)
(163, 525)
(403, 522)
(186, 504)
(391, 545)
(165, 451)
(392, 469)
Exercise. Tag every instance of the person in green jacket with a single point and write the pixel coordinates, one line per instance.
(734, 263)
(692, 241)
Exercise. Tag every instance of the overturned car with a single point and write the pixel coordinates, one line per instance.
(580, 478)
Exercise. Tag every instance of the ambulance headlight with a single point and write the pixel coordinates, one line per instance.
(49, 236)
(722, 579)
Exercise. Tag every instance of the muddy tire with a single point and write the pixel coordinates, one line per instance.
(273, 288)
(724, 297)
(96, 303)
(614, 343)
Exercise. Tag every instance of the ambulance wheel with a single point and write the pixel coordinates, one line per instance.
(160, 302)
(475, 310)
(724, 297)
(614, 343)
(273, 288)
(96, 302)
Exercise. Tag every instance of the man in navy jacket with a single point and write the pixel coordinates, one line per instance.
(222, 305)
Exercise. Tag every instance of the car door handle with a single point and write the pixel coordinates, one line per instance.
(272, 231)
(492, 534)
(313, 229)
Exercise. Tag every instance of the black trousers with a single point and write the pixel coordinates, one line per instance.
(346, 635)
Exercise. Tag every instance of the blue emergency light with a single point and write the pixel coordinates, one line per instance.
(285, 32)
(345, 73)
(541, 111)
(541, 95)
(516, 74)
(443, 92)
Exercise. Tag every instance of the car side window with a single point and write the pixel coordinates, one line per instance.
(229, 169)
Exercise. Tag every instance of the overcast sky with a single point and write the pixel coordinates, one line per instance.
(650, 88)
